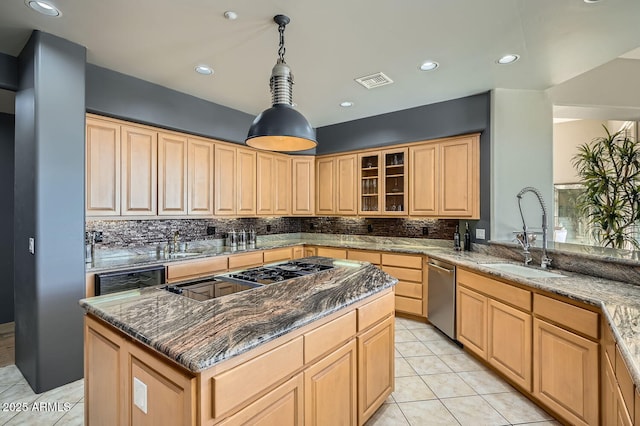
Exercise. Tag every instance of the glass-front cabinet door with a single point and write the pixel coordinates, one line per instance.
(394, 201)
(370, 183)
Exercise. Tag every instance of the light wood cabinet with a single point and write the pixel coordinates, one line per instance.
(180, 271)
(102, 168)
(383, 182)
(369, 174)
(565, 373)
(246, 181)
(411, 290)
(375, 349)
(273, 184)
(172, 174)
(331, 388)
(278, 255)
(445, 178)
(225, 180)
(139, 171)
(335, 253)
(325, 186)
(298, 252)
(200, 179)
(282, 185)
(471, 320)
(346, 180)
(303, 186)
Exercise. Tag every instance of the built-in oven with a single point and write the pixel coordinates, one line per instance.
(130, 279)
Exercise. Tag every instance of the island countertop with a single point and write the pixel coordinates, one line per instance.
(199, 335)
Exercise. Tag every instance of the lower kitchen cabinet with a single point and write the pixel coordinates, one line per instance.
(375, 384)
(411, 290)
(565, 371)
(331, 389)
(471, 320)
(336, 253)
(283, 406)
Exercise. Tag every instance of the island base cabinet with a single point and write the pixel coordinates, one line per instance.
(330, 388)
(283, 406)
(375, 368)
(565, 371)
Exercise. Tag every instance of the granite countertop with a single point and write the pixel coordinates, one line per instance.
(199, 335)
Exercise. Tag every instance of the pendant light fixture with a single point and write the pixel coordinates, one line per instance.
(281, 128)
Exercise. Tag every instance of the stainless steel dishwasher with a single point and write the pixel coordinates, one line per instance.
(441, 308)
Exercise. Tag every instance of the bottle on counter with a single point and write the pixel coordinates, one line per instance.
(467, 238)
(456, 239)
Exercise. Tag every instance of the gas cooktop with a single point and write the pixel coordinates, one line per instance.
(276, 273)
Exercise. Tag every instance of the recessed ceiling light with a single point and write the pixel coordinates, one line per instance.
(44, 7)
(591, 1)
(231, 15)
(346, 104)
(508, 59)
(204, 69)
(429, 65)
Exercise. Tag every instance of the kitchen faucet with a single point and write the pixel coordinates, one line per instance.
(523, 238)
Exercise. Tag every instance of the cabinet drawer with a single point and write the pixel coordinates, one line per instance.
(403, 274)
(364, 256)
(232, 388)
(197, 268)
(402, 260)
(411, 306)
(245, 260)
(329, 336)
(408, 289)
(277, 255)
(331, 252)
(624, 380)
(570, 316)
(374, 311)
(498, 290)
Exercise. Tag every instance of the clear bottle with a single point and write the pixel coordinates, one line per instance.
(456, 239)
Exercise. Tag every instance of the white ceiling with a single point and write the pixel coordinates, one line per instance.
(331, 42)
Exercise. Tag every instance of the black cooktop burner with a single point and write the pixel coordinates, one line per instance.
(277, 273)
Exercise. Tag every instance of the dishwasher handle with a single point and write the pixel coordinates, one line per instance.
(448, 271)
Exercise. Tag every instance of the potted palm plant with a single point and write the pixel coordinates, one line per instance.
(609, 168)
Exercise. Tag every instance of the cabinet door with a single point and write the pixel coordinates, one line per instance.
(102, 168)
(424, 182)
(608, 392)
(509, 344)
(298, 252)
(139, 169)
(266, 192)
(303, 186)
(459, 178)
(330, 389)
(200, 181)
(225, 180)
(325, 186)
(370, 186)
(282, 185)
(246, 179)
(104, 370)
(565, 373)
(283, 406)
(471, 318)
(375, 384)
(346, 181)
(395, 182)
(172, 174)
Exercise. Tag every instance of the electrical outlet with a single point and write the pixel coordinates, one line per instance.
(425, 231)
(479, 234)
(211, 230)
(32, 245)
(140, 394)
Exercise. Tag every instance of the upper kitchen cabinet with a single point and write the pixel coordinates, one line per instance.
(383, 182)
(172, 174)
(303, 185)
(139, 169)
(445, 178)
(273, 184)
(225, 180)
(336, 185)
(370, 183)
(200, 177)
(102, 168)
(246, 181)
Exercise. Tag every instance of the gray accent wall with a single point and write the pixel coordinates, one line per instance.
(49, 207)
(6, 217)
(8, 72)
(471, 114)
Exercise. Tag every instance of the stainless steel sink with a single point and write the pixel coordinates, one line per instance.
(521, 270)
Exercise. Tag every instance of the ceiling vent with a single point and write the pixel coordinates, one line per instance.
(374, 80)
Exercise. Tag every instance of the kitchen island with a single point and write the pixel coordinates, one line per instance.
(315, 350)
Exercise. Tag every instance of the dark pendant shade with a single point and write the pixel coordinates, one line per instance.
(281, 128)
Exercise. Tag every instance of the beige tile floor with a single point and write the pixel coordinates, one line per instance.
(437, 383)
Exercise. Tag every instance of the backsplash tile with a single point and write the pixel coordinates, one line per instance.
(136, 233)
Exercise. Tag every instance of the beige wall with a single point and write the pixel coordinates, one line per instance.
(567, 137)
